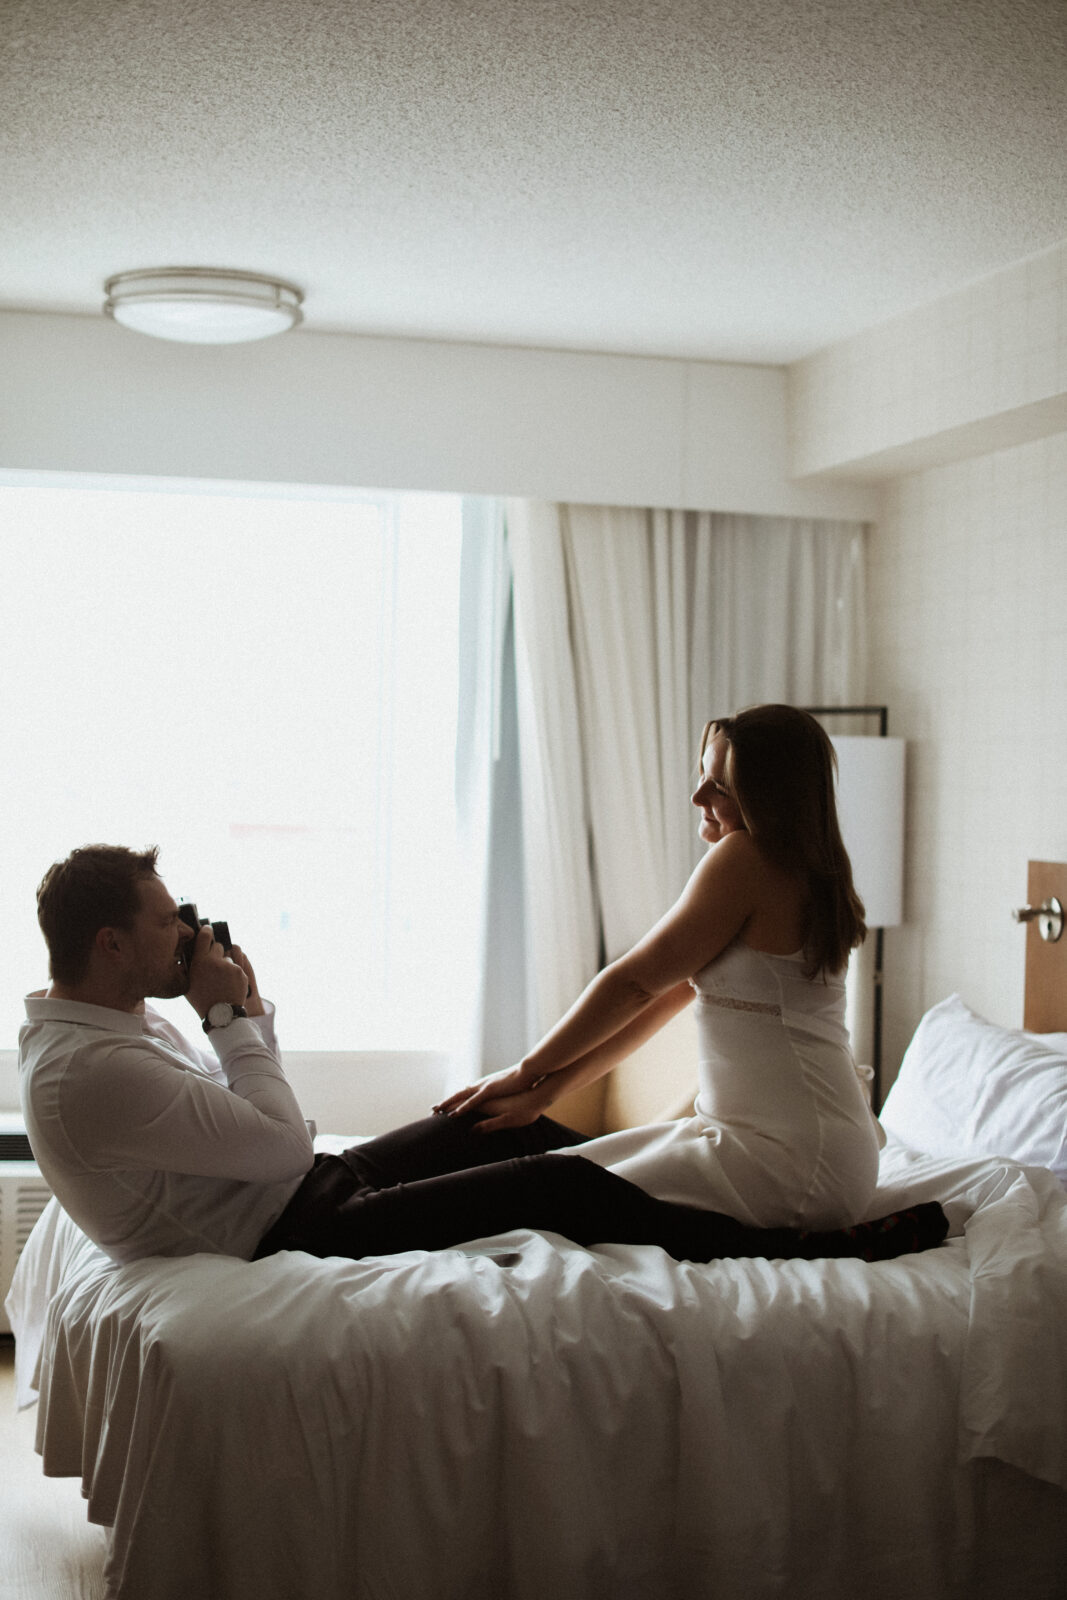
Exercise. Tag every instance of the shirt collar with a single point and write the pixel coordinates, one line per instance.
(40, 1008)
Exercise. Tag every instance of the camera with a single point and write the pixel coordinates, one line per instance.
(192, 919)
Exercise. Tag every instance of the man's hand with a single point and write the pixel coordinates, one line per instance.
(254, 1003)
(213, 976)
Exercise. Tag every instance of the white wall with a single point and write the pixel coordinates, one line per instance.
(960, 408)
(979, 370)
(968, 595)
(81, 395)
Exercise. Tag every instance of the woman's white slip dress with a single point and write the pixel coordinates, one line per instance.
(781, 1134)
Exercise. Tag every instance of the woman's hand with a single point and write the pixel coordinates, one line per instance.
(507, 1099)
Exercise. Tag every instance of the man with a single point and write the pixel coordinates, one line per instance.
(153, 1147)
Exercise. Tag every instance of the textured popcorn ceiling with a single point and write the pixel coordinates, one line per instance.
(728, 179)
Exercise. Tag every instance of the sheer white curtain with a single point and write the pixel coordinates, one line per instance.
(489, 800)
(629, 596)
(562, 923)
(631, 629)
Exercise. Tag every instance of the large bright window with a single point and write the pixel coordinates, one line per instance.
(265, 688)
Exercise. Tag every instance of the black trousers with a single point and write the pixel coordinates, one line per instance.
(439, 1182)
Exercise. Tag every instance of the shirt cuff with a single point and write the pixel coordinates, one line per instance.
(265, 1024)
(238, 1036)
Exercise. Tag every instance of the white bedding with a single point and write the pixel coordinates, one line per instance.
(550, 1420)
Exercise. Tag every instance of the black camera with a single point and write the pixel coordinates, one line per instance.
(192, 919)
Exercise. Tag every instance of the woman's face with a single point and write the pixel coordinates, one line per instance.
(720, 813)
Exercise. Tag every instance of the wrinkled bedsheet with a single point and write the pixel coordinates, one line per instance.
(545, 1419)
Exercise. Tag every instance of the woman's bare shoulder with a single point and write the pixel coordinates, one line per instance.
(736, 853)
(740, 846)
(738, 865)
(734, 867)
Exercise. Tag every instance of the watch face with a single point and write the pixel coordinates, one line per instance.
(220, 1014)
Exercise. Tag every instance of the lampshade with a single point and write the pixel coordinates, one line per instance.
(870, 806)
(202, 305)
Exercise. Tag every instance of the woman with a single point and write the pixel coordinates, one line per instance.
(781, 1136)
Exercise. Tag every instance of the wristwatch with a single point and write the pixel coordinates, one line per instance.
(221, 1014)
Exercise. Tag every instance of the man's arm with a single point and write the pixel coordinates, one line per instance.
(140, 1108)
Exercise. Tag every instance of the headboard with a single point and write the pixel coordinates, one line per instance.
(1045, 993)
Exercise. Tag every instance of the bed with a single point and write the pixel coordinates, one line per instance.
(531, 1418)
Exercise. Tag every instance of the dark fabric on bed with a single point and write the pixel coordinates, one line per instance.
(920, 1227)
(438, 1182)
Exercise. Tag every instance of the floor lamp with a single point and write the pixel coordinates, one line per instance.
(870, 803)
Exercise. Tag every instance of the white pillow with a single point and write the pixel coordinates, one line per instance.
(968, 1087)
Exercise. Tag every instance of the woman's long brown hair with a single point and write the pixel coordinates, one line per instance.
(780, 768)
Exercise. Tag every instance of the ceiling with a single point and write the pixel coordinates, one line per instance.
(739, 180)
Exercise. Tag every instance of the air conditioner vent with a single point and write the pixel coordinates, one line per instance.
(30, 1200)
(15, 1147)
(23, 1196)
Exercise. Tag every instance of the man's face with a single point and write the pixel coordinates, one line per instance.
(156, 940)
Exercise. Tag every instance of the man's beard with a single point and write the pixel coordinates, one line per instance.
(171, 983)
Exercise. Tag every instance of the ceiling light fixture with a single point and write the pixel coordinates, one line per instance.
(202, 305)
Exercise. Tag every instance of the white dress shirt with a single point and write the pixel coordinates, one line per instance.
(154, 1147)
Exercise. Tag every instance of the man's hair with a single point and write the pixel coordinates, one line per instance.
(96, 887)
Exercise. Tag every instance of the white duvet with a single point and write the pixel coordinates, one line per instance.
(546, 1420)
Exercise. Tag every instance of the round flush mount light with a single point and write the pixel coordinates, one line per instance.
(202, 305)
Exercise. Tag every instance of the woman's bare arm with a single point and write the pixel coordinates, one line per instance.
(709, 914)
(718, 900)
(507, 1099)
